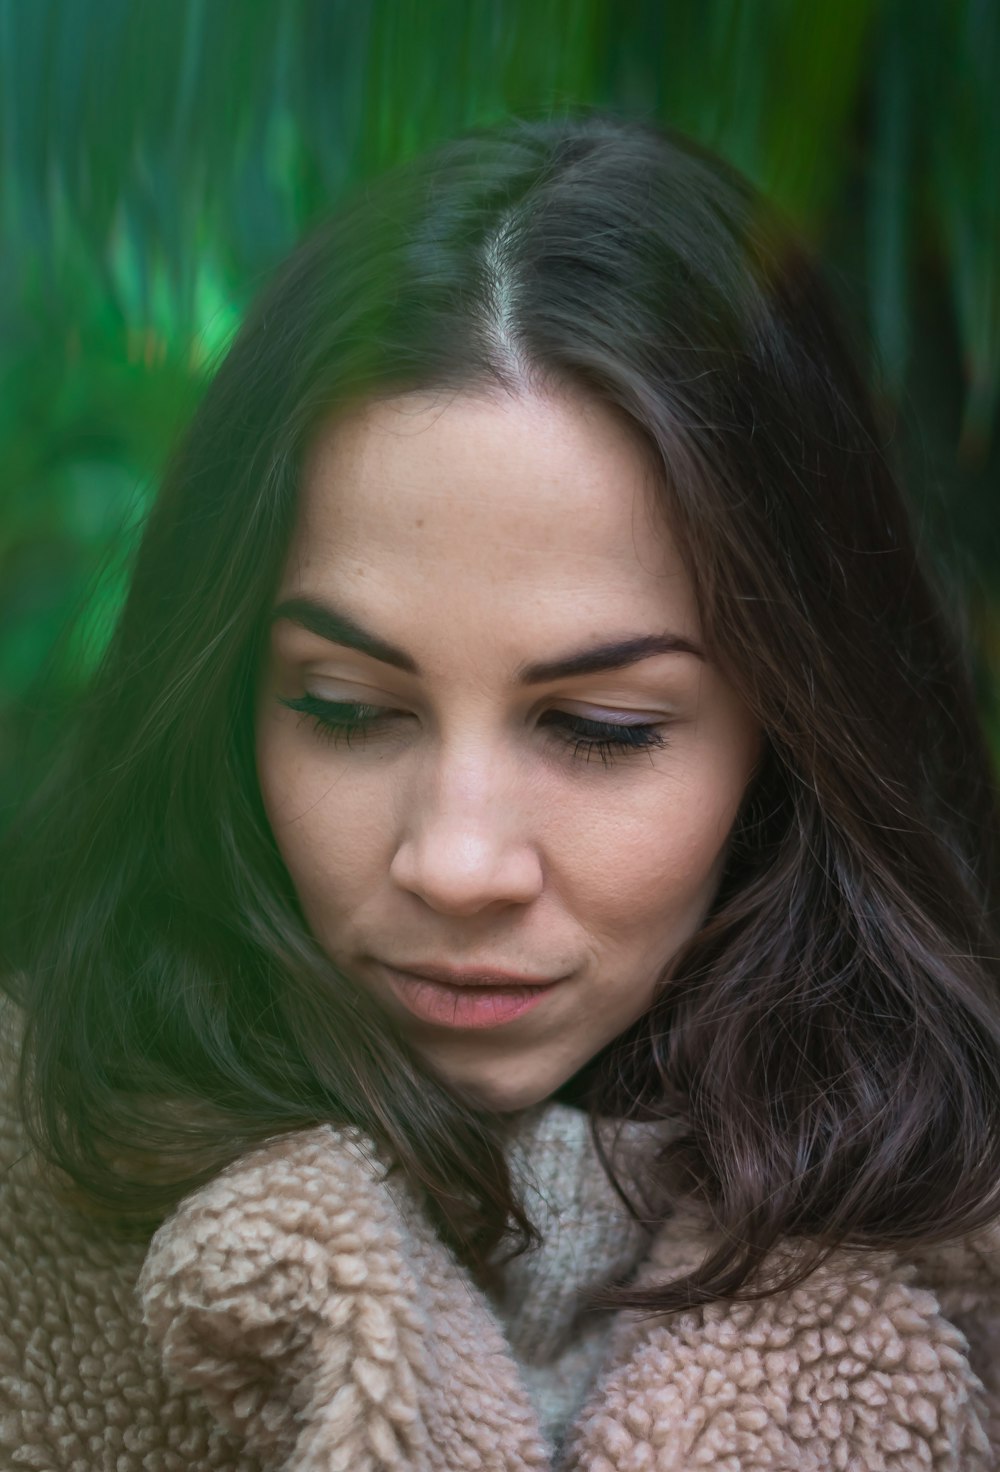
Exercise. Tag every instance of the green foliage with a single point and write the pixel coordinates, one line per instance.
(160, 155)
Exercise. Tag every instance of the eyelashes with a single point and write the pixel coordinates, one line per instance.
(351, 722)
(604, 739)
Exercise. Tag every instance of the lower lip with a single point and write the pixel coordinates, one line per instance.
(464, 1006)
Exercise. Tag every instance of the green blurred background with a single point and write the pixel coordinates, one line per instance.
(159, 156)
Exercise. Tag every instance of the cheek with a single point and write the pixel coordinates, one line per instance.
(655, 863)
(332, 837)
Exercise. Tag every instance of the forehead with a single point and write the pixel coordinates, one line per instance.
(467, 497)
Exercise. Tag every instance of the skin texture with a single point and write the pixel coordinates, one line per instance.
(465, 828)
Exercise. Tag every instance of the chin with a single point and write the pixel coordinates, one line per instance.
(501, 1100)
(506, 1082)
(508, 1095)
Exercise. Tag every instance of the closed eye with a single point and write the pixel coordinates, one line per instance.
(352, 722)
(606, 739)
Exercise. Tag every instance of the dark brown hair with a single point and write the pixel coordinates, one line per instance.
(830, 1040)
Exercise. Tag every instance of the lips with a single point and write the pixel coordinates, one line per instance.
(482, 976)
(480, 998)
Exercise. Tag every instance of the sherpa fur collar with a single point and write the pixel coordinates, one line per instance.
(309, 1303)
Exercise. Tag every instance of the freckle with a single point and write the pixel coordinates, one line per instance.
(420, 522)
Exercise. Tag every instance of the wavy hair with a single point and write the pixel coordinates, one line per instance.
(829, 1041)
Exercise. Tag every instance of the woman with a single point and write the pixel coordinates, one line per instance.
(517, 913)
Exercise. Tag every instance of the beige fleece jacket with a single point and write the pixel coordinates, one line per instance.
(298, 1313)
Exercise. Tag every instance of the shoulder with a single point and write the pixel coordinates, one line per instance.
(291, 1220)
(859, 1366)
(298, 1305)
(306, 1296)
(79, 1384)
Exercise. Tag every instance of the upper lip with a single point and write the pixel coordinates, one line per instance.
(473, 975)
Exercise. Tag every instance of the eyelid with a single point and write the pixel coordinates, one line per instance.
(348, 692)
(612, 714)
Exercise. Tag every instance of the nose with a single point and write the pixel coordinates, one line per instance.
(466, 844)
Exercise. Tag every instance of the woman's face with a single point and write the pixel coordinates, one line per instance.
(490, 749)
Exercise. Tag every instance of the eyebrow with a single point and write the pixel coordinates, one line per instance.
(339, 628)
